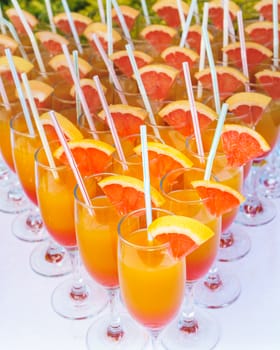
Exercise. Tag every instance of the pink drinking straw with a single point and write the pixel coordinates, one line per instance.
(122, 21)
(181, 13)
(109, 27)
(110, 122)
(4, 95)
(50, 15)
(243, 48)
(195, 121)
(225, 30)
(275, 34)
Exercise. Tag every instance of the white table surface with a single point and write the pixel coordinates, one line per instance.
(27, 321)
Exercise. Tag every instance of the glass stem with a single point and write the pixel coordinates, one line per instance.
(213, 280)
(252, 205)
(188, 323)
(115, 329)
(54, 253)
(79, 290)
(34, 221)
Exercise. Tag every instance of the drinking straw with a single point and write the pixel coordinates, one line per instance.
(110, 122)
(146, 176)
(145, 12)
(79, 91)
(110, 68)
(187, 24)
(3, 28)
(243, 47)
(71, 160)
(101, 11)
(196, 14)
(181, 13)
(122, 21)
(212, 69)
(275, 34)
(215, 142)
(72, 25)
(76, 67)
(20, 92)
(50, 15)
(4, 96)
(142, 89)
(195, 121)
(231, 29)
(225, 30)
(38, 123)
(109, 27)
(31, 38)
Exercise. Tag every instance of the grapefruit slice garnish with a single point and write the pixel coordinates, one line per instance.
(158, 80)
(163, 158)
(184, 234)
(22, 66)
(168, 11)
(265, 8)
(122, 61)
(14, 18)
(129, 13)
(256, 53)
(91, 156)
(216, 12)
(230, 80)
(80, 21)
(100, 29)
(7, 42)
(220, 198)
(178, 115)
(248, 105)
(270, 82)
(127, 193)
(127, 118)
(242, 144)
(59, 64)
(194, 37)
(41, 92)
(90, 92)
(261, 32)
(52, 42)
(159, 36)
(175, 56)
(70, 131)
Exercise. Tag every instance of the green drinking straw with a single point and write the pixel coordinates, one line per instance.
(275, 34)
(215, 142)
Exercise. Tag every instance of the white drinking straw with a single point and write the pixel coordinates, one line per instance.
(187, 24)
(38, 123)
(50, 15)
(122, 21)
(72, 25)
(243, 47)
(110, 122)
(194, 115)
(142, 90)
(109, 27)
(101, 11)
(225, 30)
(31, 38)
(215, 142)
(146, 176)
(4, 95)
(196, 13)
(275, 34)
(145, 12)
(77, 72)
(110, 68)
(71, 160)
(2, 27)
(20, 92)
(79, 91)
(181, 13)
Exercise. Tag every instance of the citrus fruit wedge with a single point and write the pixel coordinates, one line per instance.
(265, 9)
(270, 82)
(168, 11)
(70, 131)
(163, 158)
(127, 118)
(90, 92)
(7, 42)
(14, 18)
(22, 66)
(59, 64)
(242, 144)
(175, 56)
(91, 156)
(194, 37)
(100, 29)
(220, 198)
(41, 92)
(261, 32)
(248, 105)
(158, 80)
(129, 13)
(122, 62)
(178, 115)
(127, 193)
(80, 22)
(52, 42)
(184, 234)
(256, 54)
(216, 12)
(159, 36)
(230, 80)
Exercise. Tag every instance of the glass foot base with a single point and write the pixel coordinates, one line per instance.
(135, 337)
(13, 203)
(22, 230)
(50, 266)
(205, 337)
(67, 307)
